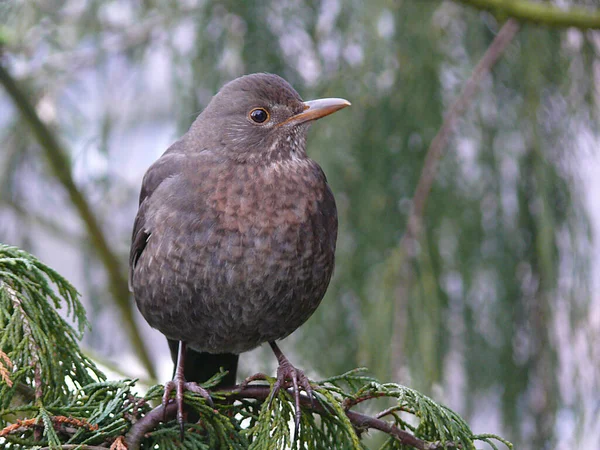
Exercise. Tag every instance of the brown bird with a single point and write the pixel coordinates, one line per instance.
(234, 241)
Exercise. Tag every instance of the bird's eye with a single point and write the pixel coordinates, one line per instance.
(259, 115)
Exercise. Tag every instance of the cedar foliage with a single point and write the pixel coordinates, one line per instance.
(53, 395)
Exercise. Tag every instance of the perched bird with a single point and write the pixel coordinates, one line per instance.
(233, 244)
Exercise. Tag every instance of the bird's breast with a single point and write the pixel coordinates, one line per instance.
(250, 248)
(282, 194)
(239, 223)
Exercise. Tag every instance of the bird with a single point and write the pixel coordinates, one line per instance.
(233, 243)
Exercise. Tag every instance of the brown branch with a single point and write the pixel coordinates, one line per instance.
(388, 411)
(23, 425)
(75, 447)
(436, 149)
(60, 165)
(428, 173)
(350, 402)
(134, 437)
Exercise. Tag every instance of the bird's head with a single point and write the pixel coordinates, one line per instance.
(261, 117)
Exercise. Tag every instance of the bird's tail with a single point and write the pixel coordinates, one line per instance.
(200, 366)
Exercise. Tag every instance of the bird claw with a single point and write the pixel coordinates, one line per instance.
(286, 371)
(179, 385)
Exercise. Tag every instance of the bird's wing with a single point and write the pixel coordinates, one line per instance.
(167, 166)
(328, 204)
(332, 217)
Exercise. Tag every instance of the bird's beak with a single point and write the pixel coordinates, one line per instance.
(315, 109)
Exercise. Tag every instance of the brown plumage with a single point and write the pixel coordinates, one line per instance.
(234, 240)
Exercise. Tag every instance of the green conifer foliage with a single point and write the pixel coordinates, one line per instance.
(53, 396)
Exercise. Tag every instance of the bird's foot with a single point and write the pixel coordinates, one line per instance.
(179, 385)
(289, 376)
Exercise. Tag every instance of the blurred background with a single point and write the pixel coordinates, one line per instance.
(501, 317)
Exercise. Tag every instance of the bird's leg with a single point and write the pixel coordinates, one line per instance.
(179, 385)
(286, 371)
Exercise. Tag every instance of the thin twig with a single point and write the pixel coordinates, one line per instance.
(436, 149)
(75, 446)
(350, 402)
(387, 412)
(428, 173)
(61, 166)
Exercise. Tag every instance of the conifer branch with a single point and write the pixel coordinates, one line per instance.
(53, 396)
(60, 164)
(360, 421)
(540, 13)
(446, 428)
(39, 349)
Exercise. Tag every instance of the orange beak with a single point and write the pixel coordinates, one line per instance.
(315, 109)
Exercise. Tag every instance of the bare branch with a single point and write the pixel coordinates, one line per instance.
(540, 13)
(75, 447)
(430, 166)
(60, 165)
(436, 149)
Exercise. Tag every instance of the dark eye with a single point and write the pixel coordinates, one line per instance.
(259, 115)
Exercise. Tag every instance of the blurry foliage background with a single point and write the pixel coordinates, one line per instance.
(501, 321)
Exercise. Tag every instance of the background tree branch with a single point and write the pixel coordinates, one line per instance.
(438, 144)
(60, 164)
(540, 13)
(427, 177)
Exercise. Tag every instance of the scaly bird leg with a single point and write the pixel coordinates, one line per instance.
(179, 385)
(285, 372)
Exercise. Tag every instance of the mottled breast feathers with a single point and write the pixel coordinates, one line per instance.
(244, 250)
